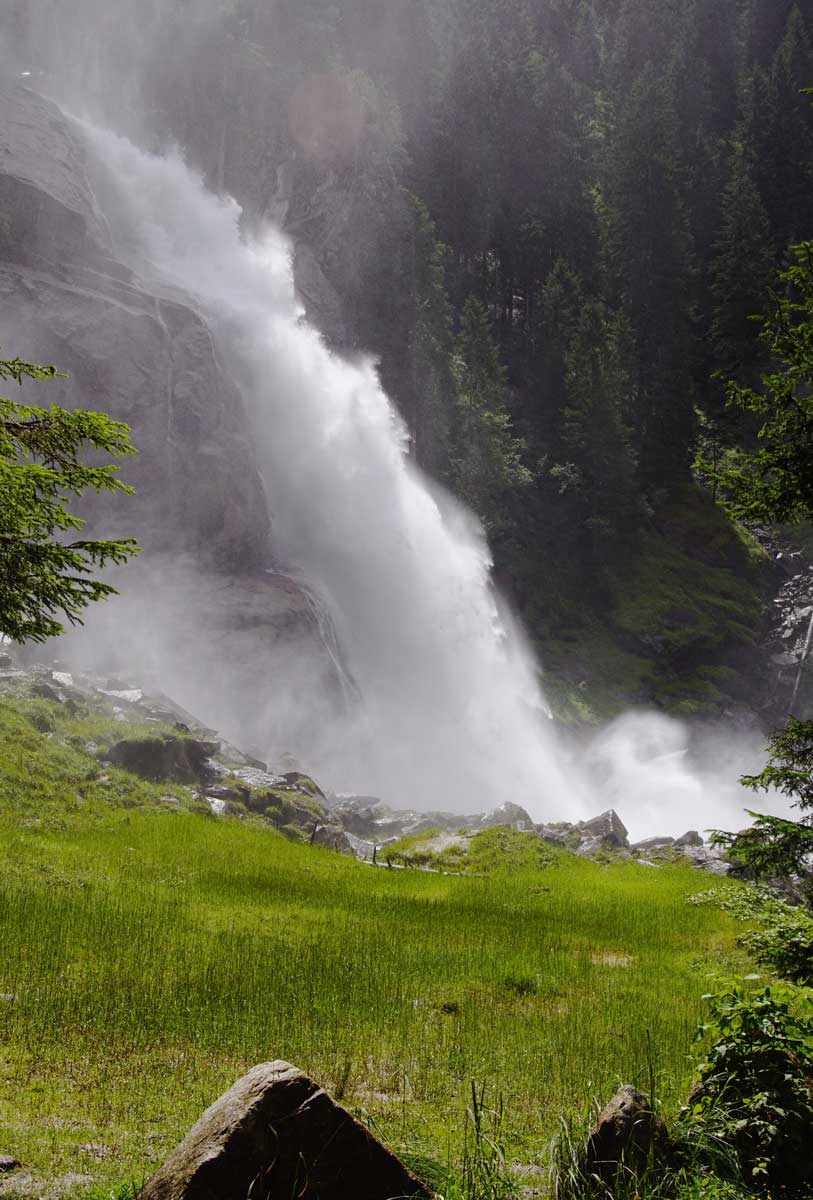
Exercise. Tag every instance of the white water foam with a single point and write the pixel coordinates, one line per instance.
(453, 715)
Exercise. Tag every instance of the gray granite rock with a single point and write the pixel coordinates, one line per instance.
(277, 1134)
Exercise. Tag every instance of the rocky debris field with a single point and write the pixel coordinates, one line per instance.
(163, 743)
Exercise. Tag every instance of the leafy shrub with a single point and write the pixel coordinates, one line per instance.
(784, 941)
(785, 946)
(755, 1087)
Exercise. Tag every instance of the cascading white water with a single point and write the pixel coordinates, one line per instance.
(452, 713)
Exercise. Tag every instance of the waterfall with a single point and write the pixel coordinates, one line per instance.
(451, 711)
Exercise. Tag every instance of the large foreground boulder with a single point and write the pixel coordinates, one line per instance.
(627, 1132)
(277, 1133)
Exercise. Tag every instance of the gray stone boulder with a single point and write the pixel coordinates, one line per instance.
(334, 837)
(8, 1163)
(707, 858)
(277, 1134)
(608, 828)
(692, 838)
(182, 759)
(560, 833)
(507, 814)
(628, 1132)
(653, 843)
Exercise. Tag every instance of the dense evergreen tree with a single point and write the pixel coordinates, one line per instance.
(486, 466)
(651, 274)
(742, 271)
(602, 189)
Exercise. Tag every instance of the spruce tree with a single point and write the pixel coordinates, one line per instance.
(742, 271)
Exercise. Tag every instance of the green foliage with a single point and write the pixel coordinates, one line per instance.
(785, 946)
(742, 271)
(771, 848)
(755, 1084)
(776, 847)
(790, 769)
(42, 577)
(499, 849)
(775, 482)
(781, 934)
(486, 457)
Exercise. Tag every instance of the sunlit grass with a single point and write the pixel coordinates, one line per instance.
(153, 957)
(148, 956)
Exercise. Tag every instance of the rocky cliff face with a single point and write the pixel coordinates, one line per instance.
(202, 601)
(146, 358)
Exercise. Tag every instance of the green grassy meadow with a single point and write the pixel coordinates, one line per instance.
(149, 955)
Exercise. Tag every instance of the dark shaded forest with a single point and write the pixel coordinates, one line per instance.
(553, 221)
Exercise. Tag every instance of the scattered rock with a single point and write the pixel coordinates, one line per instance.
(253, 777)
(692, 838)
(8, 1163)
(707, 858)
(507, 814)
(608, 828)
(129, 695)
(653, 843)
(590, 846)
(97, 1152)
(166, 757)
(627, 1131)
(45, 692)
(295, 781)
(334, 837)
(274, 1134)
(560, 833)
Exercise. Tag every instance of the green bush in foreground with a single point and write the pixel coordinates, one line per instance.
(755, 1085)
(748, 1124)
(782, 939)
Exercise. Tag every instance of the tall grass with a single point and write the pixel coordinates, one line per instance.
(147, 958)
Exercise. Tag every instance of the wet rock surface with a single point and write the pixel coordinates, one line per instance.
(362, 825)
(144, 357)
(787, 645)
(234, 783)
(276, 1133)
(203, 597)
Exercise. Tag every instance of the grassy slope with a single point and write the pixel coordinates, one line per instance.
(149, 955)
